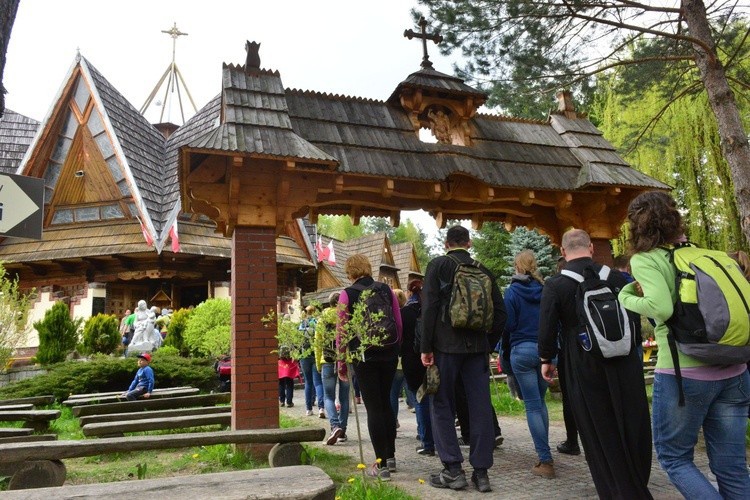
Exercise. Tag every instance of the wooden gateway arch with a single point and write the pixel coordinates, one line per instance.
(276, 154)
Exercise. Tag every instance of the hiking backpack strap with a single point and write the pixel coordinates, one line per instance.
(679, 276)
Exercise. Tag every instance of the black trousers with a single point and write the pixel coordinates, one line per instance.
(375, 380)
(571, 430)
(286, 390)
(462, 412)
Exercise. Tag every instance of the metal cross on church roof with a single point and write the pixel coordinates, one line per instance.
(435, 37)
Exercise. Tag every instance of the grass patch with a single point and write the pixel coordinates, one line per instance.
(360, 488)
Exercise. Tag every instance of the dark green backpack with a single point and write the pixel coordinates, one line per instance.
(470, 305)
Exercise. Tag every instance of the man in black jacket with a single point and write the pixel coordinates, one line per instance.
(608, 397)
(459, 351)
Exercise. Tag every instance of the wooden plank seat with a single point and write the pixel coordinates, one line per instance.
(40, 464)
(138, 415)
(114, 398)
(117, 393)
(152, 404)
(37, 419)
(15, 431)
(304, 482)
(16, 407)
(28, 438)
(34, 400)
(118, 428)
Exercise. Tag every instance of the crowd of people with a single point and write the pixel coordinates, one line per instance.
(537, 330)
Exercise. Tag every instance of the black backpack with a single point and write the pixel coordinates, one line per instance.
(603, 328)
(381, 300)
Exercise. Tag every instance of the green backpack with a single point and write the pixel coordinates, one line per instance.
(711, 319)
(470, 305)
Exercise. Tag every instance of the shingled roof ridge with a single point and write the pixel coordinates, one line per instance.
(334, 96)
(241, 67)
(510, 118)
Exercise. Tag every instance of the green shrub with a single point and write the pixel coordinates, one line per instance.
(101, 334)
(58, 334)
(105, 374)
(208, 331)
(14, 315)
(176, 331)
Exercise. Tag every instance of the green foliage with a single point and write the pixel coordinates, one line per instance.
(408, 232)
(490, 246)
(339, 227)
(208, 330)
(58, 334)
(101, 334)
(106, 374)
(292, 341)
(168, 350)
(14, 315)
(523, 239)
(360, 488)
(176, 331)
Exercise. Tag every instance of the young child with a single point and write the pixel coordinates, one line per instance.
(143, 383)
(288, 371)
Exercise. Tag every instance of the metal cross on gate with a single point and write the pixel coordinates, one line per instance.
(435, 37)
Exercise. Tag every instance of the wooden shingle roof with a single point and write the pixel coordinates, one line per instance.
(16, 133)
(403, 258)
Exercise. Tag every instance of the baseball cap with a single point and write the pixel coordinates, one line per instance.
(430, 384)
(145, 356)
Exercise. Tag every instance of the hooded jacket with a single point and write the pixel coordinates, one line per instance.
(522, 299)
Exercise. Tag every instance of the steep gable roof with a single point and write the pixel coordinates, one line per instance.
(405, 259)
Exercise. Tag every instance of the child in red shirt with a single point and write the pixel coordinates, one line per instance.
(288, 371)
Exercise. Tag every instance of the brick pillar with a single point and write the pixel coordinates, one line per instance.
(602, 251)
(255, 381)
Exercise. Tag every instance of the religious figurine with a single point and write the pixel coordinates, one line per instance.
(145, 338)
(440, 125)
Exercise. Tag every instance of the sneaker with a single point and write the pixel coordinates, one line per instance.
(382, 474)
(569, 449)
(335, 435)
(342, 438)
(446, 479)
(308, 413)
(397, 424)
(289, 405)
(391, 464)
(499, 440)
(281, 404)
(429, 452)
(544, 469)
(463, 442)
(321, 413)
(481, 481)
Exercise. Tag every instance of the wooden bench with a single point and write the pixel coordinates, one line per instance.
(16, 407)
(295, 482)
(28, 438)
(34, 400)
(80, 401)
(14, 431)
(37, 419)
(155, 404)
(120, 427)
(117, 393)
(138, 415)
(39, 464)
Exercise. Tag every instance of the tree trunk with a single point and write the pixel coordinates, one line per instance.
(8, 9)
(734, 143)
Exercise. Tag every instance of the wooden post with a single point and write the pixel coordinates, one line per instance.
(602, 251)
(254, 367)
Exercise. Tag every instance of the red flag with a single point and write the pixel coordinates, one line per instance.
(175, 237)
(146, 234)
(331, 254)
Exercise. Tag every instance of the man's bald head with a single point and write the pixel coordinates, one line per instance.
(576, 243)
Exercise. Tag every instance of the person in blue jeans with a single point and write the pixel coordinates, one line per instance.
(716, 396)
(522, 300)
(313, 382)
(325, 360)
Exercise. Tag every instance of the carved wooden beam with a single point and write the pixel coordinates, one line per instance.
(234, 197)
(563, 200)
(435, 191)
(338, 186)
(440, 219)
(37, 269)
(477, 220)
(486, 194)
(387, 188)
(354, 213)
(291, 165)
(526, 198)
(395, 218)
(68, 266)
(282, 197)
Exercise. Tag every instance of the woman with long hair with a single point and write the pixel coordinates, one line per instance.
(716, 396)
(522, 299)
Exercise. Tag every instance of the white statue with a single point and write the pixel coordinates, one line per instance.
(145, 337)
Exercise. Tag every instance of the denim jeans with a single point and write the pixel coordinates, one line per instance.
(524, 358)
(396, 388)
(424, 423)
(720, 407)
(313, 382)
(330, 377)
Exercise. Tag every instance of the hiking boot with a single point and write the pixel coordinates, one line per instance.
(429, 452)
(481, 481)
(282, 404)
(446, 479)
(289, 405)
(569, 448)
(321, 413)
(391, 464)
(499, 440)
(382, 474)
(544, 469)
(335, 435)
